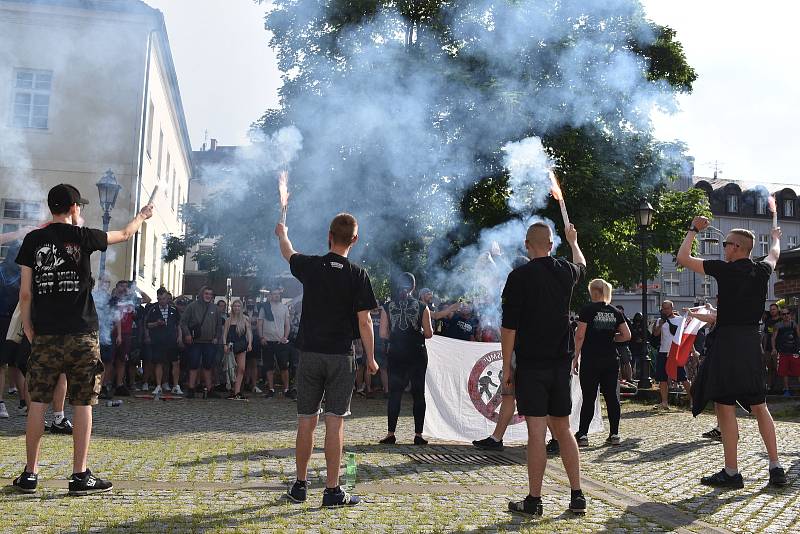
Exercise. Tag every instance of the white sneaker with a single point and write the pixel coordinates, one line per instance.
(145, 387)
(177, 390)
(157, 391)
(165, 387)
(256, 389)
(12, 391)
(3, 411)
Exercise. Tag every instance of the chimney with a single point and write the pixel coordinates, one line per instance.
(213, 144)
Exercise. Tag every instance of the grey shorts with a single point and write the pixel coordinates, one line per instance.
(328, 376)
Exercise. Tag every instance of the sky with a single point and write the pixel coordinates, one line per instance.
(743, 117)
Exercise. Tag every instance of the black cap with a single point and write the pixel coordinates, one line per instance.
(62, 196)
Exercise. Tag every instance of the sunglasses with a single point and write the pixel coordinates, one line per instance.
(731, 243)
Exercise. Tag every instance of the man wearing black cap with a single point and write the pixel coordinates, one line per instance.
(60, 320)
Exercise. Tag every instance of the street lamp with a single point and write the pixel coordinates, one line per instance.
(644, 218)
(108, 188)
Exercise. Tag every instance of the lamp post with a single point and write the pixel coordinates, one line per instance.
(644, 218)
(108, 188)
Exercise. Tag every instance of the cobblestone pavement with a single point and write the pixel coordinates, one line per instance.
(217, 465)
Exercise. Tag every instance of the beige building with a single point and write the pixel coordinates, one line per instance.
(87, 86)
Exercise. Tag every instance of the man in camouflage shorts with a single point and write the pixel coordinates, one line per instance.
(77, 356)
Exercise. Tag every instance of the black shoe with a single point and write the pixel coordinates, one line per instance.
(26, 482)
(552, 447)
(106, 393)
(221, 388)
(86, 484)
(234, 396)
(419, 440)
(122, 391)
(338, 497)
(388, 440)
(269, 394)
(64, 427)
(714, 434)
(189, 393)
(488, 444)
(529, 505)
(291, 394)
(577, 502)
(723, 480)
(298, 492)
(777, 477)
(583, 441)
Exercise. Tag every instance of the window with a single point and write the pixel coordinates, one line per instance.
(788, 207)
(709, 243)
(792, 241)
(169, 160)
(18, 209)
(31, 98)
(204, 258)
(672, 284)
(7, 228)
(733, 204)
(174, 202)
(142, 249)
(154, 262)
(706, 286)
(763, 244)
(160, 152)
(150, 111)
(761, 205)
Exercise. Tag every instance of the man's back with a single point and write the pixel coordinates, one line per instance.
(536, 304)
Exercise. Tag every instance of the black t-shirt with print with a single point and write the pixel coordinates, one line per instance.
(786, 341)
(334, 291)
(742, 290)
(406, 337)
(460, 327)
(536, 302)
(62, 294)
(602, 323)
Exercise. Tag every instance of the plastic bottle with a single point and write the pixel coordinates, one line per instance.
(350, 472)
(114, 403)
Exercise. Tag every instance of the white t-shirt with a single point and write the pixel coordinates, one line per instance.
(275, 330)
(666, 334)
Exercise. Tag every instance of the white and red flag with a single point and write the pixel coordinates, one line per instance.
(682, 343)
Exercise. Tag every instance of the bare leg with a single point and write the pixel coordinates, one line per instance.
(766, 426)
(34, 428)
(537, 457)
(158, 370)
(60, 393)
(304, 444)
(726, 417)
(627, 372)
(119, 368)
(192, 378)
(559, 426)
(687, 387)
(176, 372)
(81, 435)
(385, 379)
(507, 407)
(285, 379)
(271, 379)
(663, 388)
(334, 441)
(240, 363)
(207, 379)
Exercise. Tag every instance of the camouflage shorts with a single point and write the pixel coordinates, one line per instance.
(75, 355)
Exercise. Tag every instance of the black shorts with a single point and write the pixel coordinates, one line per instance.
(276, 353)
(16, 354)
(163, 353)
(745, 402)
(543, 392)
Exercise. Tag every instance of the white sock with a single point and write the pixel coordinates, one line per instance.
(58, 417)
(731, 472)
(772, 465)
(494, 438)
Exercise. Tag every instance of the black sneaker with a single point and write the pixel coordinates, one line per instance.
(338, 497)
(64, 427)
(298, 492)
(714, 434)
(552, 447)
(723, 480)
(269, 394)
(529, 505)
(87, 484)
(106, 393)
(777, 477)
(122, 391)
(388, 440)
(577, 502)
(583, 441)
(26, 482)
(291, 394)
(419, 440)
(488, 444)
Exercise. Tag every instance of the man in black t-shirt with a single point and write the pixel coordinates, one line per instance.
(337, 299)
(462, 325)
(732, 371)
(60, 320)
(535, 326)
(772, 319)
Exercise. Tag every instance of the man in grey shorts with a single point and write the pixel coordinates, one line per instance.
(337, 299)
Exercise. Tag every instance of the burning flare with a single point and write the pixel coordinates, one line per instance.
(555, 190)
(283, 193)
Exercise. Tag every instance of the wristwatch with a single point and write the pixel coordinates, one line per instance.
(693, 228)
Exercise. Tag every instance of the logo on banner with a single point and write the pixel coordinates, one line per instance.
(485, 386)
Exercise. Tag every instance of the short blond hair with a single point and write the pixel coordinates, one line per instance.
(747, 234)
(600, 286)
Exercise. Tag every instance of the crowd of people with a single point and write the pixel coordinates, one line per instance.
(67, 334)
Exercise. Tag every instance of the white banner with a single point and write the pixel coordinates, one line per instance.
(462, 393)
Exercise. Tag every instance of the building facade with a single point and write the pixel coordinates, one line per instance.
(88, 86)
(734, 204)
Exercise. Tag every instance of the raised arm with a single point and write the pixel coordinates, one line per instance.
(287, 251)
(572, 239)
(119, 236)
(685, 257)
(775, 249)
